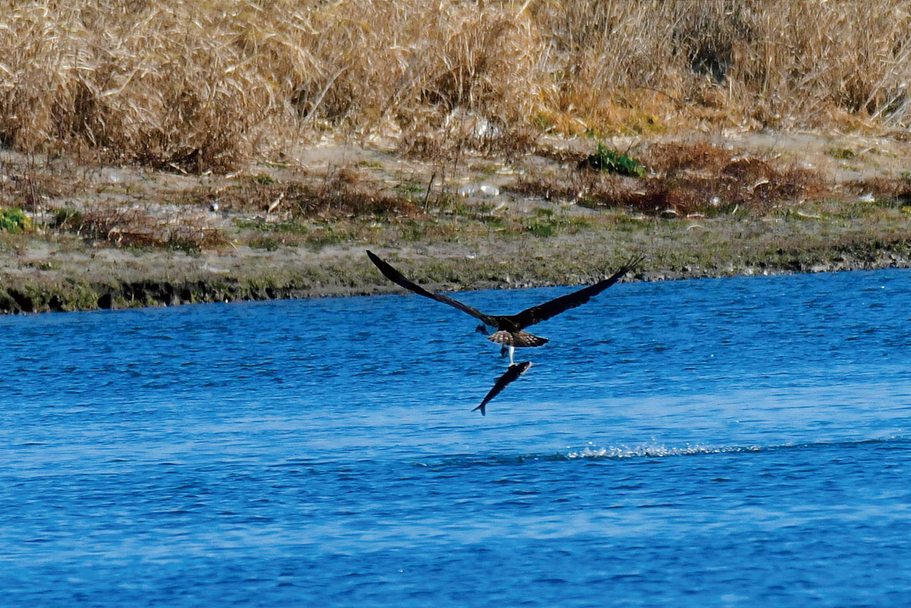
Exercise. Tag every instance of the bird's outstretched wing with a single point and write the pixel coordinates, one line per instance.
(396, 277)
(511, 375)
(545, 311)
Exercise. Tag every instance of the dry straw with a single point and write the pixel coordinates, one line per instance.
(209, 85)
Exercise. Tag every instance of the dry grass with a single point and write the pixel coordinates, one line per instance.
(135, 226)
(342, 192)
(687, 179)
(889, 192)
(210, 85)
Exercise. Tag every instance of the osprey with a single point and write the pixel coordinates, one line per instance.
(510, 329)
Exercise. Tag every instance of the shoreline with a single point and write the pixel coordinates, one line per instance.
(711, 205)
(42, 295)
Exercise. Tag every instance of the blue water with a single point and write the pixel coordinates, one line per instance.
(734, 442)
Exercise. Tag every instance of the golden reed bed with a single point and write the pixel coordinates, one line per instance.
(209, 85)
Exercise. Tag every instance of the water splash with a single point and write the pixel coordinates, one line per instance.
(648, 450)
(662, 451)
(655, 451)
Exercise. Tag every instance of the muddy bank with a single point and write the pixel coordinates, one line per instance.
(349, 275)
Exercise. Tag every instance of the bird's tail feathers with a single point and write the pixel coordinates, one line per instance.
(516, 338)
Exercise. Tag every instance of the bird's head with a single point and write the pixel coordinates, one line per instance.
(482, 329)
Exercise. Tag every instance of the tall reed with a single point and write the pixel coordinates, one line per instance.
(209, 85)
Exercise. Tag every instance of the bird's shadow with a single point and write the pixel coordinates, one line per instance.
(511, 375)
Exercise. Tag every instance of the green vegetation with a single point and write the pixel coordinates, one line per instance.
(548, 223)
(262, 179)
(67, 218)
(279, 227)
(612, 161)
(14, 221)
(842, 153)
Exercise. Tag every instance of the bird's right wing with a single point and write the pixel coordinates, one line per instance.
(512, 374)
(399, 279)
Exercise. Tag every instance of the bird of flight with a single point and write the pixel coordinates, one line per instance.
(509, 329)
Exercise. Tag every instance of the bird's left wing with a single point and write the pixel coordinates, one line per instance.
(545, 311)
(399, 279)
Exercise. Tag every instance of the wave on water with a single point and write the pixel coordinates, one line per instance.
(625, 452)
(661, 451)
(596, 453)
(655, 451)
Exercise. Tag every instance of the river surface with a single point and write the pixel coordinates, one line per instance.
(716, 442)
